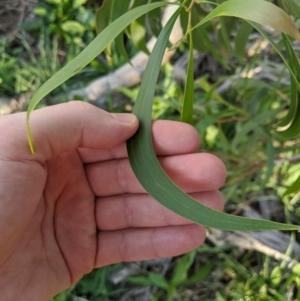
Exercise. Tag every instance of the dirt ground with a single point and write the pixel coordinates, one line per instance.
(12, 13)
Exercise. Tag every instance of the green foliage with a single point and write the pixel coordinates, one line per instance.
(293, 188)
(21, 70)
(215, 274)
(87, 55)
(265, 13)
(68, 19)
(293, 7)
(59, 31)
(179, 278)
(140, 150)
(188, 98)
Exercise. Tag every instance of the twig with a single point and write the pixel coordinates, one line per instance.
(233, 118)
(265, 242)
(295, 158)
(246, 204)
(191, 5)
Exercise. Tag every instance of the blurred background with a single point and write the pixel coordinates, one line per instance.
(241, 92)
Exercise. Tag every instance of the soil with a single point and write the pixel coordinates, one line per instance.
(13, 13)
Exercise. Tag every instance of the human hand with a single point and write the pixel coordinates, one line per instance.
(76, 205)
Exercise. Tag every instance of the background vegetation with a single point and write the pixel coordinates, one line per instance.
(241, 92)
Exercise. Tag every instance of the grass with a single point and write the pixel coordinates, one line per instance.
(237, 125)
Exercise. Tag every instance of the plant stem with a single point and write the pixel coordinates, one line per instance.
(189, 26)
(184, 3)
(191, 5)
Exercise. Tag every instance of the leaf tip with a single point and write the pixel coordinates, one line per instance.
(29, 137)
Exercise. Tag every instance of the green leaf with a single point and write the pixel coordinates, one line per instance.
(78, 3)
(226, 27)
(241, 40)
(253, 124)
(296, 270)
(209, 89)
(56, 2)
(201, 40)
(188, 98)
(152, 279)
(138, 29)
(158, 280)
(294, 188)
(138, 35)
(137, 3)
(154, 21)
(120, 7)
(292, 63)
(274, 45)
(199, 43)
(40, 11)
(103, 19)
(294, 7)
(150, 173)
(87, 55)
(142, 280)
(276, 276)
(180, 273)
(290, 125)
(200, 274)
(259, 11)
(121, 47)
(270, 162)
(72, 27)
(103, 15)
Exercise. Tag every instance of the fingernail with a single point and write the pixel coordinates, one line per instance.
(125, 117)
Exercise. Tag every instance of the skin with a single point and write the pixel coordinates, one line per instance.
(76, 205)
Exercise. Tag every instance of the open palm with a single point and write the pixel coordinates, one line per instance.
(76, 205)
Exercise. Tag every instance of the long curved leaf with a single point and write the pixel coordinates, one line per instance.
(268, 14)
(151, 175)
(289, 127)
(259, 11)
(88, 54)
(294, 92)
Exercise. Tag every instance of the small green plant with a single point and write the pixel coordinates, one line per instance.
(141, 154)
(57, 33)
(181, 276)
(221, 276)
(68, 19)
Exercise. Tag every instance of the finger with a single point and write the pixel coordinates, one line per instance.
(191, 172)
(146, 244)
(141, 210)
(169, 138)
(65, 127)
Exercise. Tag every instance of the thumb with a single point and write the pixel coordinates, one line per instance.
(65, 127)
